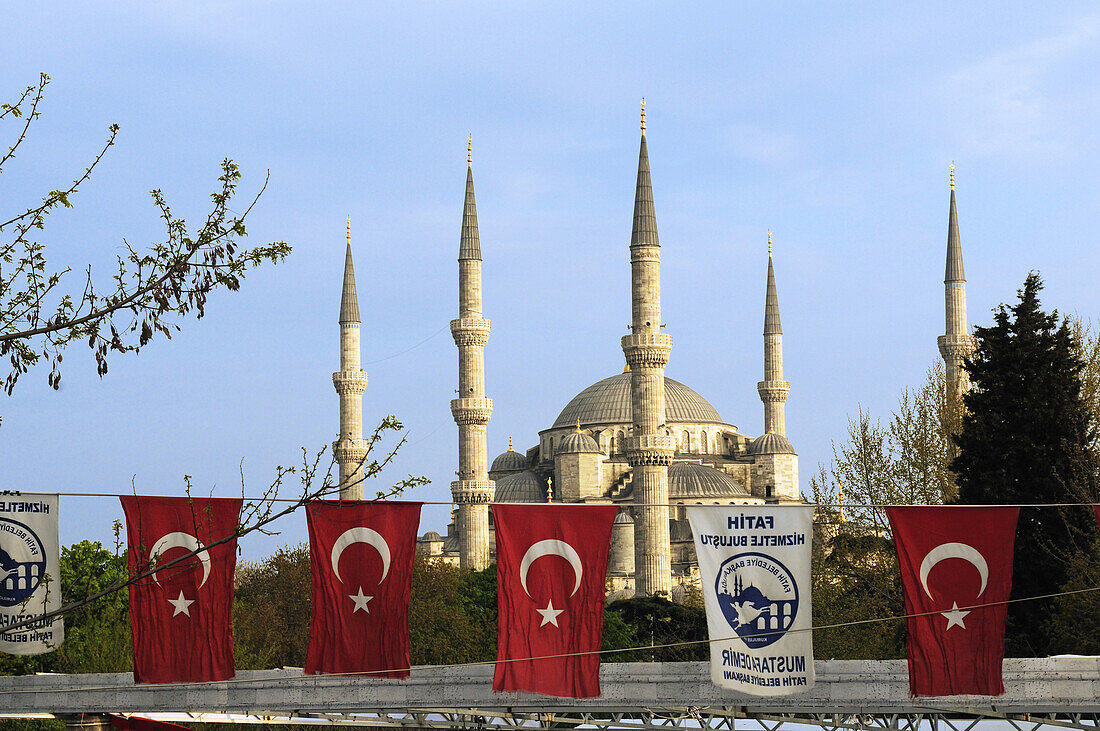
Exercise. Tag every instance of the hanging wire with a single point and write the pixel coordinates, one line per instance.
(446, 666)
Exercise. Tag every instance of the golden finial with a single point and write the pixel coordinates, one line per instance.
(769, 244)
(771, 428)
(469, 150)
(578, 426)
(349, 230)
(626, 368)
(840, 501)
(549, 489)
(952, 175)
(510, 445)
(643, 114)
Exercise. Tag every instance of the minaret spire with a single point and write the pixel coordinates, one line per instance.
(649, 448)
(350, 382)
(956, 344)
(473, 490)
(773, 389)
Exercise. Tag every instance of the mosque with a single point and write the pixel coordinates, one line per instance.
(636, 439)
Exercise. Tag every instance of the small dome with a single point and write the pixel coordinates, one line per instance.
(521, 487)
(431, 536)
(770, 444)
(578, 443)
(623, 518)
(693, 480)
(510, 461)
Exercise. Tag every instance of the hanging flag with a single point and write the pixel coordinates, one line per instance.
(754, 563)
(361, 560)
(551, 567)
(140, 723)
(954, 561)
(1096, 509)
(181, 615)
(30, 582)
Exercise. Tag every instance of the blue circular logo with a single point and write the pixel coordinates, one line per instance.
(22, 562)
(758, 597)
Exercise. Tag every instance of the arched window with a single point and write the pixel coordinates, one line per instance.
(686, 445)
(703, 443)
(726, 442)
(621, 437)
(550, 447)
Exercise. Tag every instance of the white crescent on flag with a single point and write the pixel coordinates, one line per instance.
(361, 534)
(551, 547)
(953, 550)
(181, 540)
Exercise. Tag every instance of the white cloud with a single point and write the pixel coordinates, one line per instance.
(1010, 101)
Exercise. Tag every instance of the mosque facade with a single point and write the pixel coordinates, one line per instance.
(637, 439)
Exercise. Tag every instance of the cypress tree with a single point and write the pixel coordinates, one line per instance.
(1025, 440)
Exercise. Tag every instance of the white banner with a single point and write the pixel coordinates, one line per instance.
(754, 561)
(30, 577)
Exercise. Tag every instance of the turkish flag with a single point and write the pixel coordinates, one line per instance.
(361, 559)
(954, 561)
(138, 723)
(181, 616)
(1096, 509)
(551, 565)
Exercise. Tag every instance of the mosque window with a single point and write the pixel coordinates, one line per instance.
(620, 440)
(703, 442)
(726, 441)
(686, 444)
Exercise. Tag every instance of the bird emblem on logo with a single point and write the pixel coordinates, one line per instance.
(550, 547)
(372, 538)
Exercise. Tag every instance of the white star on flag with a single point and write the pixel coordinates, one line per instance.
(181, 605)
(955, 616)
(549, 615)
(360, 601)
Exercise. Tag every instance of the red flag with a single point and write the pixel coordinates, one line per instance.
(138, 723)
(361, 560)
(551, 564)
(952, 558)
(181, 615)
(1096, 509)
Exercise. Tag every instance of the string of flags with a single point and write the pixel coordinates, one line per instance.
(754, 564)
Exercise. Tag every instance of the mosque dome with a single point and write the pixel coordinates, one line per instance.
(522, 487)
(623, 518)
(578, 443)
(693, 480)
(770, 444)
(510, 461)
(431, 536)
(608, 402)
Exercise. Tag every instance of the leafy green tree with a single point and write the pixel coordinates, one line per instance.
(452, 614)
(855, 578)
(271, 606)
(97, 635)
(650, 622)
(1026, 437)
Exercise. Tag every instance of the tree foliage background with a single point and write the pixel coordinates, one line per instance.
(1028, 437)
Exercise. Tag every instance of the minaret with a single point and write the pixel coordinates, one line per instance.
(773, 389)
(350, 382)
(473, 490)
(649, 449)
(956, 343)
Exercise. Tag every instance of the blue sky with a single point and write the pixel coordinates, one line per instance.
(830, 124)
